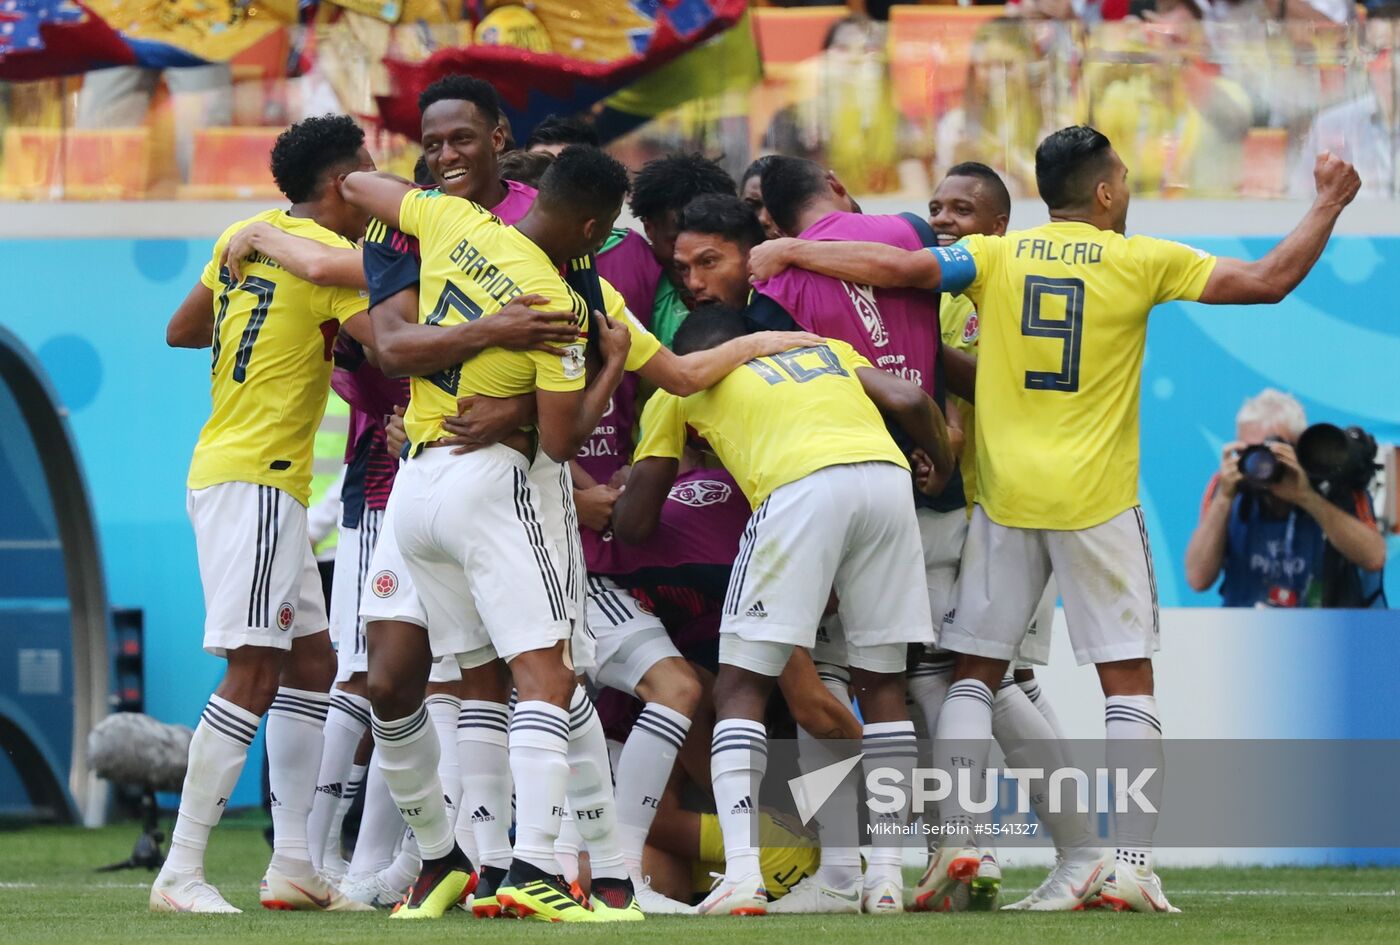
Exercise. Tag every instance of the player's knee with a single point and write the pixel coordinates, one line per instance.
(393, 694)
(541, 676)
(311, 664)
(672, 683)
(252, 678)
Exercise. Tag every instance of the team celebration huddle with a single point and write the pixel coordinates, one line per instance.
(618, 510)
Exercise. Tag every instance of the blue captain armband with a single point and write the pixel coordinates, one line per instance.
(958, 267)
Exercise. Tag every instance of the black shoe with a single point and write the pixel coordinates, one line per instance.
(485, 905)
(441, 884)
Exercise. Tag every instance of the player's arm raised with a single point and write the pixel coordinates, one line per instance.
(304, 258)
(919, 416)
(874, 264)
(192, 325)
(567, 418)
(701, 370)
(1237, 282)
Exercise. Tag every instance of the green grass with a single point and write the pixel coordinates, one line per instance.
(49, 894)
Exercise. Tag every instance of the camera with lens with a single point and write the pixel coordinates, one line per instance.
(1337, 461)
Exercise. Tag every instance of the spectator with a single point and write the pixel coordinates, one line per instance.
(1271, 543)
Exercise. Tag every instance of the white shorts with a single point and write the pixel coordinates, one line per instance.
(445, 670)
(469, 530)
(1104, 575)
(631, 640)
(942, 535)
(555, 485)
(353, 554)
(388, 592)
(261, 584)
(1035, 648)
(850, 528)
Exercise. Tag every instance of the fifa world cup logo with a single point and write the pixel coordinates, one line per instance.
(863, 298)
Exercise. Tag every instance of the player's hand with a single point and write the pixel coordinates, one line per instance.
(614, 340)
(764, 343)
(239, 247)
(1230, 475)
(619, 478)
(1337, 180)
(1295, 487)
(484, 421)
(771, 257)
(518, 326)
(395, 432)
(595, 506)
(927, 478)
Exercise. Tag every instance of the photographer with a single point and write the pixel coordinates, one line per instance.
(1278, 540)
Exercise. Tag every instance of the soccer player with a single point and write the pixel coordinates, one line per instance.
(1063, 318)
(897, 331)
(751, 190)
(831, 509)
(660, 191)
(562, 224)
(249, 481)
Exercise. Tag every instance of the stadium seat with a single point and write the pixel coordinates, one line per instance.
(59, 163)
(789, 35)
(929, 56)
(231, 164)
(1265, 163)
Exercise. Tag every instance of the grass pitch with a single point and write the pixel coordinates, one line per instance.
(49, 894)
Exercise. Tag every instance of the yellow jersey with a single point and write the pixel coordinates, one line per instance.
(1062, 314)
(957, 319)
(472, 266)
(273, 335)
(777, 419)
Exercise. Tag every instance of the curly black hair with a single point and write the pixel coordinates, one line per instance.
(669, 183)
(722, 215)
(584, 181)
(306, 150)
(562, 129)
(463, 88)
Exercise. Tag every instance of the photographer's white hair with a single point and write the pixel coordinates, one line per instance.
(1271, 408)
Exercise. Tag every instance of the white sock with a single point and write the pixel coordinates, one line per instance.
(345, 726)
(738, 760)
(567, 847)
(332, 852)
(1134, 744)
(443, 710)
(1031, 687)
(381, 826)
(539, 747)
(1029, 742)
(647, 760)
(962, 740)
(217, 752)
(837, 827)
(482, 729)
(928, 687)
(888, 745)
(295, 740)
(590, 789)
(837, 680)
(407, 864)
(408, 755)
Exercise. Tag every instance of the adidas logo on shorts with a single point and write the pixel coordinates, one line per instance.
(482, 816)
(756, 610)
(743, 807)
